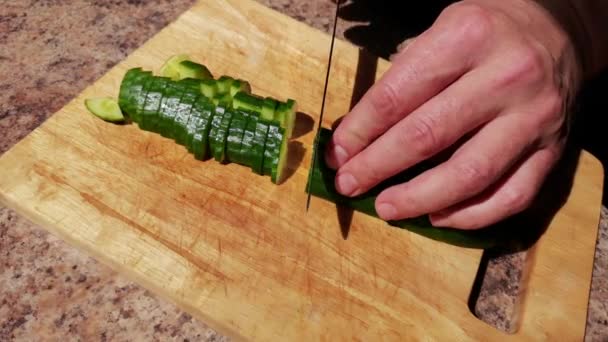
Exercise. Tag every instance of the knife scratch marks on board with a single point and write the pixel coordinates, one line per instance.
(188, 255)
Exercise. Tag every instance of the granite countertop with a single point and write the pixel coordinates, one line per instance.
(52, 50)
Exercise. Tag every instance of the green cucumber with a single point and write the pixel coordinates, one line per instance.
(269, 107)
(250, 102)
(182, 116)
(321, 182)
(171, 98)
(126, 84)
(214, 141)
(235, 135)
(246, 153)
(275, 153)
(286, 115)
(219, 148)
(200, 139)
(150, 113)
(258, 146)
(239, 86)
(139, 90)
(223, 84)
(222, 99)
(190, 69)
(105, 108)
(209, 88)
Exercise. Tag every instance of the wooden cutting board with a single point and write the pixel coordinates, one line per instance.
(241, 253)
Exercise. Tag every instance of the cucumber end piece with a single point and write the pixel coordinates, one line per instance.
(169, 69)
(105, 108)
(190, 69)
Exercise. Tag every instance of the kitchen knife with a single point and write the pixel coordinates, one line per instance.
(316, 141)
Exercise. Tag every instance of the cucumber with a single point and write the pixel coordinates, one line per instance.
(246, 153)
(321, 182)
(224, 83)
(137, 95)
(171, 97)
(182, 116)
(189, 69)
(209, 88)
(235, 136)
(218, 117)
(219, 144)
(275, 153)
(239, 86)
(250, 102)
(200, 139)
(150, 113)
(169, 69)
(269, 107)
(105, 108)
(125, 89)
(222, 99)
(286, 115)
(259, 144)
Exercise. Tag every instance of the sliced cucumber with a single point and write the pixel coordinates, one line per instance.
(219, 148)
(209, 88)
(105, 108)
(239, 86)
(182, 116)
(150, 113)
(125, 88)
(246, 154)
(259, 144)
(200, 139)
(269, 107)
(235, 136)
(190, 69)
(224, 83)
(286, 115)
(248, 102)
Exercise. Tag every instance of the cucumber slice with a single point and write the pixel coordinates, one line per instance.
(259, 144)
(209, 88)
(246, 153)
(268, 108)
(200, 139)
(223, 84)
(189, 69)
(182, 116)
(193, 124)
(169, 69)
(219, 147)
(248, 102)
(140, 101)
(171, 97)
(279, 163)
(238, 86)
(235, 135)
(286, 115)
(150, 113)
(218, 117)
(105, 108)
(272, 150)
(224, 100)
(137, 94)
(125, 89)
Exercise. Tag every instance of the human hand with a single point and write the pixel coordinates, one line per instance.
(492, 79)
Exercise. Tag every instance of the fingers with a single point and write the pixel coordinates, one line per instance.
(431, 63)
(431, 128)
(507, 198)
(478, 164)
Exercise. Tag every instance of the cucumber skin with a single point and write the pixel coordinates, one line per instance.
(219, 150)
(236, 132)
(321, 181)
(246, 151)
(259, 145)
(200, 139)
(150, 114)
(125, 89)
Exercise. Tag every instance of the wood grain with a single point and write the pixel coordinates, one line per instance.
(241, 253)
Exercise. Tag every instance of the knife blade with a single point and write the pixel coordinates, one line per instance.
(315, 143)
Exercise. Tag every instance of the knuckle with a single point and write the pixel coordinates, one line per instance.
(528, 66)
(475, 21)
(384, 98)
(551, 112)
(421, 136)
(516, 200)
(474, 173)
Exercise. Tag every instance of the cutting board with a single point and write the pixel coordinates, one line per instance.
(241, 253)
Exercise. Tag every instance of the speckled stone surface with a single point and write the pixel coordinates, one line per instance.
(51, 50)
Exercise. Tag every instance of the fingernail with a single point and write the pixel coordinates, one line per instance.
(386, 211)
(347, 185)
(338, 157)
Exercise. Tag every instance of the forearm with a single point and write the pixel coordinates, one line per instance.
(586, 21)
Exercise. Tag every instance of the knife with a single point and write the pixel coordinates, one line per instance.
(316, 141)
